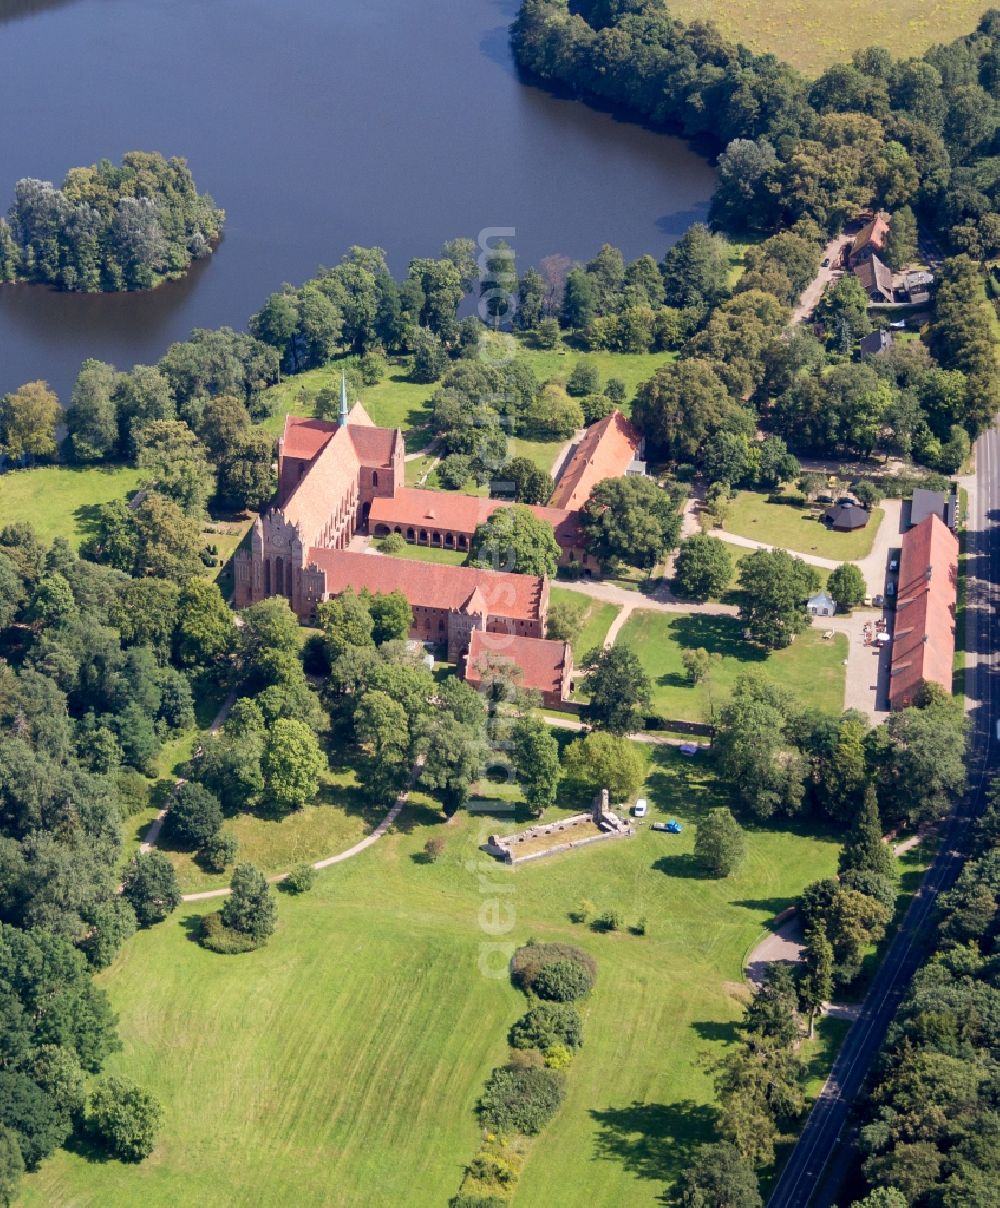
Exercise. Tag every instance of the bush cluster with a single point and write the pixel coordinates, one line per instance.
(217, 937)
(547, 1024)
(530, 962)
(521, 1101)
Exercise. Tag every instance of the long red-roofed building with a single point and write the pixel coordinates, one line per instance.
(923, 640)
(608, 449)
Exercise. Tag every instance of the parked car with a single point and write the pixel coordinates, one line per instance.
(690, 749)
(640, 808)
(826, 262)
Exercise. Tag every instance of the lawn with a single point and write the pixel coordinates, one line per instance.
(812, 36)
(542, 453)
(316, 1069)
(811, 667)
(630, 368)
(432, 553)
(797, 529)
(60, 501)
(597, 619)
(395, 402)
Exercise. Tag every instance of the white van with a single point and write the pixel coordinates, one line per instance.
(640, 807)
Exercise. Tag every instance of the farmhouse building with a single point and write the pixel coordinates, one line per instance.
(876, 279)
(923, 640)
(870, 240)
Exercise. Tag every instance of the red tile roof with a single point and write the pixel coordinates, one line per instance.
(453, 512)
(430, 584)
(606, 451)
(303, 438)
(542, 663)
(872, 234)
(923, 640)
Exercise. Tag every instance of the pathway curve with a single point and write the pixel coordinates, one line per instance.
(349, 854)
(153, 834)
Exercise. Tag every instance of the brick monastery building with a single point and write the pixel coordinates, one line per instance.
(339, 479)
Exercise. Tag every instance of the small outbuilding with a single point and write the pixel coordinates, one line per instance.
(934, 503)
(821, 605)
(878, 342)
(846, 517)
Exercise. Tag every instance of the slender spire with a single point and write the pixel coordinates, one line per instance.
(343, 398)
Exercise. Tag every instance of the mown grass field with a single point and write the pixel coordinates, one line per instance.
(61, 501)
(813, 36)
(797, 529)
(341, 1064)
(597, 618)
(812, 667)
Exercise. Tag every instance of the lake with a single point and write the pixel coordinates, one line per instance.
(316, 124)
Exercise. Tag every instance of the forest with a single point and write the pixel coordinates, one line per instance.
(109, 227)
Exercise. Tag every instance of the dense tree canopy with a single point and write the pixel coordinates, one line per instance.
(109, 227)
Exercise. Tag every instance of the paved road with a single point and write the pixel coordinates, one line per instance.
(822, 1144)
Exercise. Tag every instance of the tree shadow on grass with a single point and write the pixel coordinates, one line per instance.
(415, 816)
(653, 1140)
(83, 1146)
(681, 865)
(190, 924)
(718, 635)
(87, 516)
(773, 906)
(717, 1030)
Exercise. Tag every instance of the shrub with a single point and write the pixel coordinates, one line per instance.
(124, 1118)
(471, 1200)
(217, 937)
(520, 1100)
(528, 962)
(558, 1056)
(395, 543)
(526, 1059)
(300, 880)
(220, 851)
(488, 1168)
(563, 981)
(610, 920)
(639, 926)
(547, 1024)
(433, 850)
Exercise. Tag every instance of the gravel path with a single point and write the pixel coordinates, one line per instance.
(785, 944)
(349, 854)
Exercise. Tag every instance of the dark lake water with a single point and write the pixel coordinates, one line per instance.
(316, 124)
